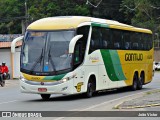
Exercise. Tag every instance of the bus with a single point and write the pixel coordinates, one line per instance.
(78, 54)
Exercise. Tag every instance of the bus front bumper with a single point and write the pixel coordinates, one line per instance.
(46, 88)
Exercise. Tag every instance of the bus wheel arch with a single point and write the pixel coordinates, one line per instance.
(91, 86)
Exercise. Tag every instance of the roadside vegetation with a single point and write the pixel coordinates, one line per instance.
(140, 13)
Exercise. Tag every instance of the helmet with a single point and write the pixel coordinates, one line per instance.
(3, 63)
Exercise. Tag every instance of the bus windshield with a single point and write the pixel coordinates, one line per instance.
(46, 52)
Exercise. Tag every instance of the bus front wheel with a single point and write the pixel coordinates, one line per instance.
(45, 96)
(90, 88)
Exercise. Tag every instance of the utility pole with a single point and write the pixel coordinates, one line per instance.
(26, 14)
(24, 22)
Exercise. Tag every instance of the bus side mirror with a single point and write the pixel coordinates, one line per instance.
(13, 44)
(73, 42)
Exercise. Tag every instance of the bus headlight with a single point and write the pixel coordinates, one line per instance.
(22, 78)
(67, 78)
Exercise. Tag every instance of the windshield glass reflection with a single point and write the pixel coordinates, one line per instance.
(46, 51)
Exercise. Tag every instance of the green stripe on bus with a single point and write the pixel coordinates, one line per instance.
(117, 65)
(112, 65)
(100, 25)
(57, 77)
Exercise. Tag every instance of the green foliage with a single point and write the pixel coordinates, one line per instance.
(45, 8)
(142, 13)
(8, 10)
(11, 9)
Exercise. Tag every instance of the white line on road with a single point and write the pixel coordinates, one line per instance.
(110, 101)
(94, 106)
(8, 102)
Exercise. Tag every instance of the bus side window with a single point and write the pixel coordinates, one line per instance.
(135, 46)
(127, 46)
(142, 42)
(117, 39)
(95, 39)
(80, 47)
(106, 43)
(135, 39)
(149, 41)
(126, 40)
(77, 53)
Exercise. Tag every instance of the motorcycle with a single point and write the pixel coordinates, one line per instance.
(2, 81)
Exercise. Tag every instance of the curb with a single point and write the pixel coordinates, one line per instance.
(137, 106)
(133, 107)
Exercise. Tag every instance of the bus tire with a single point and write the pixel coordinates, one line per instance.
(45, 96)
(140, 81)
(135, 82)
(90, 88)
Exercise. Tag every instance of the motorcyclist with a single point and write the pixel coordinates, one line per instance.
(4, 70)
(2, 82)
(0, 69)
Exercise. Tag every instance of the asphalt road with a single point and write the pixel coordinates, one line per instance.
(12, 100)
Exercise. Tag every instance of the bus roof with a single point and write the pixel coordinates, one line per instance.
(72, 22)
(58, 23)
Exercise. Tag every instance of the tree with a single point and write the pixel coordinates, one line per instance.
(11, 11)
(142, 13)
(45, 8)
(107, 9)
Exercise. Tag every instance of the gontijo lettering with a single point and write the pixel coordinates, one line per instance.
(133, 57)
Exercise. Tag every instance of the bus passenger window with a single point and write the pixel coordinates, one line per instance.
(77, 54)
(95, 39)
(80, 47)
(135, 46)
(116, 38)
(117, 45)
(106, 43)
(127, 46)
(126, 40)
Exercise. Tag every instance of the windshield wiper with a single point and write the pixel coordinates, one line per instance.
(39, 59)
(50, 58)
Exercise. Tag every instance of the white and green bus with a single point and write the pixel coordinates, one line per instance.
(76, 54)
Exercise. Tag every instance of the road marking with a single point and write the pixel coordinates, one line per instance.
(116, 99)
(8, 102)
(94, 106)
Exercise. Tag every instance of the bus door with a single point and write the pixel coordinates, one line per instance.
(103, 78)
(79, 68)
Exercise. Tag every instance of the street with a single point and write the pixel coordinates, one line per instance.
(12, 100)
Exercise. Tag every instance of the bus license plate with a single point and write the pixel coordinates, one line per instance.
(42, 89)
